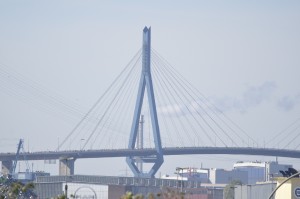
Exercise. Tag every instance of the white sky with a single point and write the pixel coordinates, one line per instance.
(244, 55)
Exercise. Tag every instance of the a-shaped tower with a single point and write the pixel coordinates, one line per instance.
(145, 83)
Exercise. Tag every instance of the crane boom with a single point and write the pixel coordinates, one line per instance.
(17, 156)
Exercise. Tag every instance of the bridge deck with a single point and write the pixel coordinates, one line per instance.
(46, 155)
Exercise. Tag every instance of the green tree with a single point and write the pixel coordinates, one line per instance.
(11, 189)
(128, 195)
(165, 194)
(61, 197)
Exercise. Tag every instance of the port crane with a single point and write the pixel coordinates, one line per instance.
(20, 147)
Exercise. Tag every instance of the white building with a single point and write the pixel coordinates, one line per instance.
(190, 173)
(222, 176)
(91, 191)
(247, 172)
(212, 175)
(260, 171)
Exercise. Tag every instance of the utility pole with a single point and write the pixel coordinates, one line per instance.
(66, 186)
(140, 142)
(178, 169)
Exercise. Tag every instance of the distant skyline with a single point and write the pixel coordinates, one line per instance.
(244, 56)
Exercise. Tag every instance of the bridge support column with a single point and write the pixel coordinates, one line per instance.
(66, 166)
(6, 167)
(145, 83)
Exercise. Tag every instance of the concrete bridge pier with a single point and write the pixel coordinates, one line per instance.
(66, 166)
(6, 167)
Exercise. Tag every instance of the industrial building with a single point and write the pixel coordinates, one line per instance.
(245, 172)
(212, 175)
(109, 187)
(260, 171)
(190, 173)
(222, 176)
(196, 183)
(254, 191)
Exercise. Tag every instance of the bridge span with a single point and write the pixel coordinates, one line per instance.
(110, 153)
(67, 158)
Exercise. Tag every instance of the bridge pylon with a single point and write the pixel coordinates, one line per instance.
(145, 83)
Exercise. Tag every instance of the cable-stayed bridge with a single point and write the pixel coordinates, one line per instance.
(150, 111)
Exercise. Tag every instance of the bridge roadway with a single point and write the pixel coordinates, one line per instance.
(76, 154)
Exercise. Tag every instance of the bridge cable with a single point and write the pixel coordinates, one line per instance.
(98, 101)
(102, 117)
(281, 133)
(294, 138)
(160, 76)
(118, 105)
(191, 113)
(158, 92)
(205, 113)
(163, 92)
(37, 91)
(125, 108)
(174, 83)
(282, 140)
(164, 77)
(189, 86)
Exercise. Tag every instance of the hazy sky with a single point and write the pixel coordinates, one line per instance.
(243, 55)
